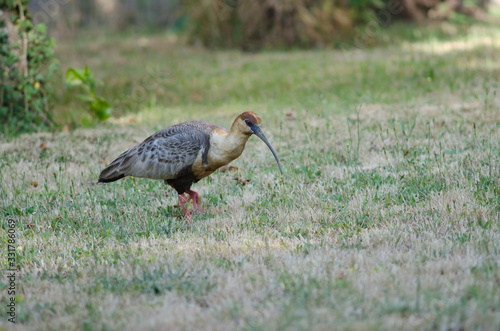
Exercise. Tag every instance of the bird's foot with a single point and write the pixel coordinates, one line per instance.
(182, 201)
(196, 201)
(193, 196)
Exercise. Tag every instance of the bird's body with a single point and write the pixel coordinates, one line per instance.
(185, 153)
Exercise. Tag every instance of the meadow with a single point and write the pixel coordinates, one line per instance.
(387, 215)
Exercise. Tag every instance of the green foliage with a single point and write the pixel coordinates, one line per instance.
(99, 107)
(27, 64)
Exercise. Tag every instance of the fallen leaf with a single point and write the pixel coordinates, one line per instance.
(228, 168)
(34, 184)
(43, 146)
(242, 181)
(291, 116)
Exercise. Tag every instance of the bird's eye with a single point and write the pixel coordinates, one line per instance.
(247, 122)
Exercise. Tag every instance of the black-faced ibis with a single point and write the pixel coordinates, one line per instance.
(185, 153)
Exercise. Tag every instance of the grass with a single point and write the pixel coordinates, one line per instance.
(387, 217)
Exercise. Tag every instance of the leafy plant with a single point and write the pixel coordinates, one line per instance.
(27, 64)
(99, 107)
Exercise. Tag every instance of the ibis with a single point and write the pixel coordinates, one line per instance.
(185, 153)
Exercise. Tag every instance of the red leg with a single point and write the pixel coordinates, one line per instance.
(182, 201)
(196, 200)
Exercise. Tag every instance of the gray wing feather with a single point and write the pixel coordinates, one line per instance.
(164, 154)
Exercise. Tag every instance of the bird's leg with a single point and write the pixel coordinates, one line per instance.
(182, 201)
(196, 200)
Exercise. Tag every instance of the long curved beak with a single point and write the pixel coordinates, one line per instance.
(258, 132)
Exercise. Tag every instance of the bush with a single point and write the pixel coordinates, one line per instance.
(274, 23)
(253, 24)
(26, 65)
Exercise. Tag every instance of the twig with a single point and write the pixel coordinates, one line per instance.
(24, 59)
(44, 113)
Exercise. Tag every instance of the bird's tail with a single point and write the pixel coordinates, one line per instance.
(112, 172)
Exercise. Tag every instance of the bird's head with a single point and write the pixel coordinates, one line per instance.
(245, 121)
(248, 123)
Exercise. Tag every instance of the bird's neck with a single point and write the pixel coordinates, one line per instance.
(226, 147)
(234, 143)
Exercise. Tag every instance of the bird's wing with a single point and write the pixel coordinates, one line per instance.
(164, 154)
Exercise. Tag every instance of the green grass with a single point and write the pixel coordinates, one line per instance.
(154, 72)
(387, 216)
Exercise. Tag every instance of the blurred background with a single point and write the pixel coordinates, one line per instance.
(157, 53)
(249, 24)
